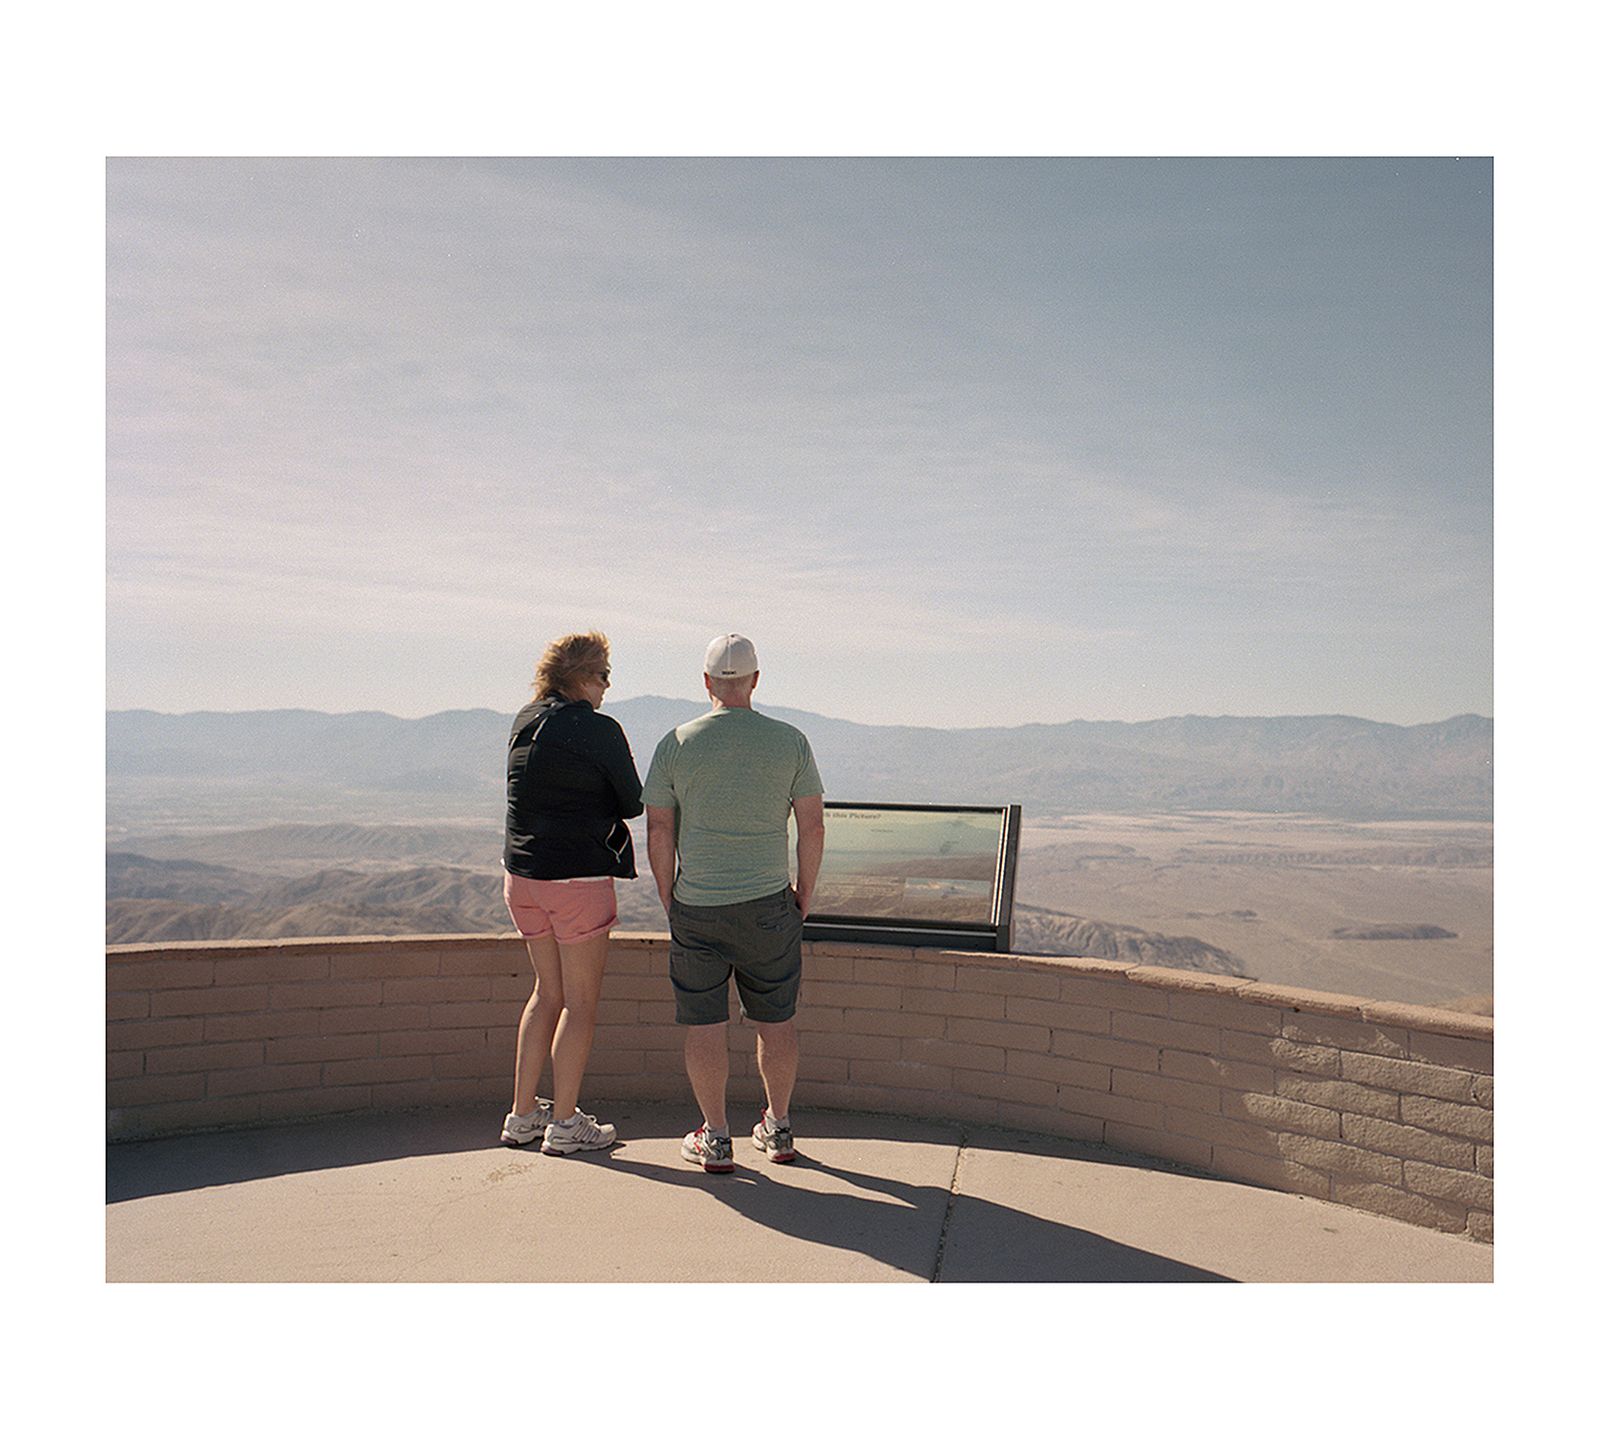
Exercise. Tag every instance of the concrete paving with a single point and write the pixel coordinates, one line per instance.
(433, 1196)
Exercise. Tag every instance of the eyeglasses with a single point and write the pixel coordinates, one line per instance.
(604, 675)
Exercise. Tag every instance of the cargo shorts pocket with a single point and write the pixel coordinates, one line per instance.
(778, 913)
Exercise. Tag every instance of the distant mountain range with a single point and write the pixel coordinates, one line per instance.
(452, 762)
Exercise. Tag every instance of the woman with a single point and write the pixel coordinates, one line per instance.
(571, 786)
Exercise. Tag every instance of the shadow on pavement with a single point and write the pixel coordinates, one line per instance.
(139, 1168)
(892, 1221)
(919, 1229)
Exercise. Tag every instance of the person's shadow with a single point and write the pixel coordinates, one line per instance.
(924, 1230)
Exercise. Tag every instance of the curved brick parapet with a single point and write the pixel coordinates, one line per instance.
(1385, 1107)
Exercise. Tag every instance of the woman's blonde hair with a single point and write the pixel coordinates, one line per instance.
(568, 658)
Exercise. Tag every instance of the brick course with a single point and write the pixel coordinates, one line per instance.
(1385, 1107)
(1340, 1095)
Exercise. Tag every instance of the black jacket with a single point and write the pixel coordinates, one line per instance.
(570, 786)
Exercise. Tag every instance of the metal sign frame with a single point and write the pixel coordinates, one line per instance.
(991, 935)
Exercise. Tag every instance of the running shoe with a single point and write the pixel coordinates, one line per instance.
(776, 1140)
(526, 1129)
(581, 1132)
(709, 1152)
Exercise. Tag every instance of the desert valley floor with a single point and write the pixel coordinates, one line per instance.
(1273, 891)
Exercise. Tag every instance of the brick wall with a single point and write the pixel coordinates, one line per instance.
(1381, 1106)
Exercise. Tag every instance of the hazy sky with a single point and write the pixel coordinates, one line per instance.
(955, 442)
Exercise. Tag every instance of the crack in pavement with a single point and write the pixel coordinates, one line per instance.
(949, 1205)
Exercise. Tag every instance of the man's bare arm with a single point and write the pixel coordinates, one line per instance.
(661, 832)
(807, 847)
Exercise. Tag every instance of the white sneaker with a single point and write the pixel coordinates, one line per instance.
(582, 1132)
(526, 1129)
(708, 1151)
(776, 1140)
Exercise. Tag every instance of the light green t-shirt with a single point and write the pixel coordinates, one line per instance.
(731, 775)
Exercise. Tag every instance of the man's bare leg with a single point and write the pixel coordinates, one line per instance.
(778, 1059)
(705, 1057)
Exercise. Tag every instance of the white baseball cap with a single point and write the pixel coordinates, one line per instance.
(729, 657)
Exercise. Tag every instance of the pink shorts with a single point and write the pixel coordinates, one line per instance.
(574, 909)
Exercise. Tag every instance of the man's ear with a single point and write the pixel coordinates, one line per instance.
(753, 678)
(707, 679)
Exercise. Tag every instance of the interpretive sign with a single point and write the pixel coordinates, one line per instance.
(917, 875)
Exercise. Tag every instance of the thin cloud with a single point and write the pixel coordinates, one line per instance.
(904, 412)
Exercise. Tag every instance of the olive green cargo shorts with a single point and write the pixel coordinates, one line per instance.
(757, 942)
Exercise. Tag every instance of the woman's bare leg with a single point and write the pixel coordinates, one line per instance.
(582, 967)
(538, 1026)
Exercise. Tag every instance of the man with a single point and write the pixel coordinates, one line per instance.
(717, 803)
